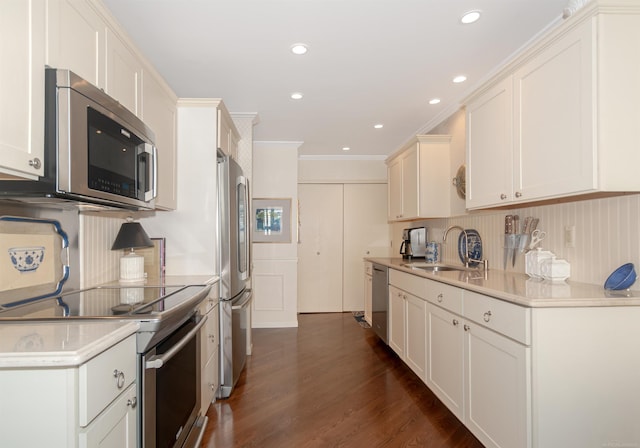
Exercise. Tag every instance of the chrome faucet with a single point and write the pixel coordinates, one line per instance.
(467, 259)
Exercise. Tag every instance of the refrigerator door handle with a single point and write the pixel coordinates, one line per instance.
(243, 301)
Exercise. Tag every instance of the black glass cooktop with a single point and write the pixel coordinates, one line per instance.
(118, 302)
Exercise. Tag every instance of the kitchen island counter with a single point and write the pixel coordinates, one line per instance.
(520, 288)
(58, 344)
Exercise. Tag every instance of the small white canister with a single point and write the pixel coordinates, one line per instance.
(555, 269)
(533, 261)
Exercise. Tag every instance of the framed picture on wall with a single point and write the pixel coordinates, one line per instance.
(271, 220)
(154, 261)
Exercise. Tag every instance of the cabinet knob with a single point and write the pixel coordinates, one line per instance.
(36, 163)
(518, 194)
(212, 337)
(487, 316)
(440, 297)
(503, 196)
(455, 322)
(133, 402)
(466, 327)
(119, 376)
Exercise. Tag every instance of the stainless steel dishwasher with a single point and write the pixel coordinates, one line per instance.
(380, 301)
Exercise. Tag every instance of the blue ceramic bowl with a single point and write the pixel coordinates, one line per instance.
(621, 278)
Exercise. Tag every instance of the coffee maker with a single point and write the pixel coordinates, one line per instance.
(414, 242)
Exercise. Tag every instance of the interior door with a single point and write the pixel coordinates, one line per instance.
(320, 248)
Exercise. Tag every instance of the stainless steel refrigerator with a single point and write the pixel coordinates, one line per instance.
(235, 271)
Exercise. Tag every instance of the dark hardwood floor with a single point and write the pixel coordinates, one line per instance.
(330, 383)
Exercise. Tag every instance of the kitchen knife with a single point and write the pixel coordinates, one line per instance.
(514, 239)
(508, 225)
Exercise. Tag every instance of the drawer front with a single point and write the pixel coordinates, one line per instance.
(446, 296)
(511, 320)
(410, 283)
(368, 268)
(104, 377)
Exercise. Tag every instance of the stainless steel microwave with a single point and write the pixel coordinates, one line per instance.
(96, 151)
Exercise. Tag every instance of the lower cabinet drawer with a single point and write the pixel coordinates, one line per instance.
(104, 377)
(511, 320)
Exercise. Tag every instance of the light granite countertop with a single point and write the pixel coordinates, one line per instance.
(58, 344)
(520, 289)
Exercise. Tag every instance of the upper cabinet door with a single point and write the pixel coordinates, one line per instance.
(75, 39)
(160, 114)
(490, 146)
(22, 25)
(554, 110)
(124, 74)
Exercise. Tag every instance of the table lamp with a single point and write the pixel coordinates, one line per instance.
(131, 236)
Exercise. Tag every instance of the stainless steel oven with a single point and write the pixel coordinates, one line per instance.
(170, 379)
(167, 344)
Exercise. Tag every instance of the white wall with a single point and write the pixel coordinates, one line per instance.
(274, 279)
(342, 170)
(191, 230)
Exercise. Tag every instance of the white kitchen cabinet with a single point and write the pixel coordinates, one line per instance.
(417, 176)
(564, 128)
(403, 185)
(209, 350)
(22, 46)
(368, 291)
(497, 388)
(76, 39)
(93, 404)
(416, 339)
(553, 147)
(445, 351)
(397, 317)
(490, 147)
(123, 73)
(408, 320)
(228, 135)
(159, 112)
(116, 425)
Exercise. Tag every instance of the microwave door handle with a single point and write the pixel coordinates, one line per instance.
(152, 191)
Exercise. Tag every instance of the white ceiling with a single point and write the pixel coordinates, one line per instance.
(369, 61)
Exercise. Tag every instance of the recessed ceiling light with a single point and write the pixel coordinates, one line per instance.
(299, 48)
(296, 96)
(346, 148)
(378, 126)
(460, 78)
(434, 101)
(470, 17)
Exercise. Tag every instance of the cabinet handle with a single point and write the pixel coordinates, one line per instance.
(503, 196)
(466, 327)
(440, 297)
(518, 194)
(36, 163)
(133, 402)
(487, 316)
(212, 337)
(455, 322)
(119, 376)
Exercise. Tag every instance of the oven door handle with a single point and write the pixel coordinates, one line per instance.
(156, 362)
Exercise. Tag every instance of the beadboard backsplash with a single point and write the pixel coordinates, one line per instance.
(99, 263)
(607, 235)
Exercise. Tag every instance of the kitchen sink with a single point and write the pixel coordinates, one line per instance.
(436, 267)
